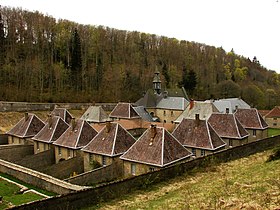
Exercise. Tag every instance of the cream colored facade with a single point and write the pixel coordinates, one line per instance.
(235, 142)
(166, 115)
(101, 159)
(40, 147)
(63, 153)
(197, 152)
(257, 134)
(273, 122)
(18, 140)
(135, 169)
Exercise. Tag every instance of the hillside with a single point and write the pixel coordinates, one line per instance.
(47, 60)
(247, 183)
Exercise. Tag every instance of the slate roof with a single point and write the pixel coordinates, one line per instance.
(53, 129)
(275, 112)
(198, 134)
(63, 113)
(95, 114)
(112, 140)
(142, 112)
(173, 103)
(158, 148)
(227, 126)
(204, 109)
(250, 118)
(77, 136)
(28, 126)
(231, 104)
(124, 111)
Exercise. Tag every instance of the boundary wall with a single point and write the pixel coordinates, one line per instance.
(106, 192)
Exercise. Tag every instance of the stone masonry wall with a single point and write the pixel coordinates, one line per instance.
(14, 153)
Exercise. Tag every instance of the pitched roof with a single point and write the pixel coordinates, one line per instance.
(263, 112)
(156, 147)
(204, 109)
(53, 129)
(250, 118)
(227, 126)
(63, 113)
(176, 103)
(124, 110)
(95, 114)
(142, 112)
(28, 126)
(77, 135)
(198, 134)
(275, 112)
(112, 140)
(231, 103)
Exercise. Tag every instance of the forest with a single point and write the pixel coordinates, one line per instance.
(47, 60)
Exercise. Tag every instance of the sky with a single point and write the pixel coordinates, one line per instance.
(249, 27)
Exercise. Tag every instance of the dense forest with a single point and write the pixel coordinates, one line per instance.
(47, 60)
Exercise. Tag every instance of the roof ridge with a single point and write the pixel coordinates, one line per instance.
(115, 137)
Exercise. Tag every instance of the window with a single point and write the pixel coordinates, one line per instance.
(274, 124)
(152, 169)
(275, 118)
(37, 145)
(230, 142)
(59, 151)
(202, 152)
(133, 169)
(254, 132)
(194, 151)
(90, 157)
(172, 114)
(69, 153)
(103, 160)
(45, 147)
(164, 113)
(13, 140)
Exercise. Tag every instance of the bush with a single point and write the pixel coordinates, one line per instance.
(275, 155)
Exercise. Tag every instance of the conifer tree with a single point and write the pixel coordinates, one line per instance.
(2, 41)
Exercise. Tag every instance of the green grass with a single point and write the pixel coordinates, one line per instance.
(247, 183)
(12, 196)
(273, 132)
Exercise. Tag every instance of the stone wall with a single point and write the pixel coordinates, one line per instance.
(90, 197)
(99, 175)
(3, 139)
(14, 153)
(26, 107)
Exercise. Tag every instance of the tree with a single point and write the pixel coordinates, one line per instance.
(189, 80)
(253, 95)
(227, 89)
(76, 61)
(2, 40)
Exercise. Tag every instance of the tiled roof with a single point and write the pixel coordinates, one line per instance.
(54, 128)
(124, 110)
(28, 126)
(204, 109)
(142, 112)
(250, 118)
(198, 134)
(112, 140)
(231, 104)
(156, 147)
(227, 126)
(175, 103)
(275, 112)
(263, 112)
(63, 113)
(76, 136)
(95, 114)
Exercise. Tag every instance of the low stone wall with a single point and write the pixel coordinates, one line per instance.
(112, 190)
(3, 139)
(38, 161)
(26, 107)
(99, 175)
(66, 168)
(15, 152)
(38, 179)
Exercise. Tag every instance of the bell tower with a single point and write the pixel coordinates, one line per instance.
(157, 82)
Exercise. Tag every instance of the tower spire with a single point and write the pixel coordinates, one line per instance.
(157, 82)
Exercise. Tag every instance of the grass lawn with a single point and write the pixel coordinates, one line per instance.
(247, 183)
(273, 132)
(11, 195)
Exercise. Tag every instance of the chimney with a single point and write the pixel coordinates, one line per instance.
(108, 126)
(50, 120)
(227, 110)
(153, 134)
(73, 123)
(236, 107)
(26, 116)
(191, 104)
(165, 94)
(196, 120)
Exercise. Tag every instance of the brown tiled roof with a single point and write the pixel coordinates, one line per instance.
(250, 118)
(124, 110)
(198, 134)
(160, 149)
(63, 113)
(111, 142)
(28, 126)
(51, 132)
(227, 126)
(275, 112)
(76, 137)
(263, 112)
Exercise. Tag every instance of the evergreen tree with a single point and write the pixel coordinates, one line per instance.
(76, 61)
(2, 41)
(189, 80)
